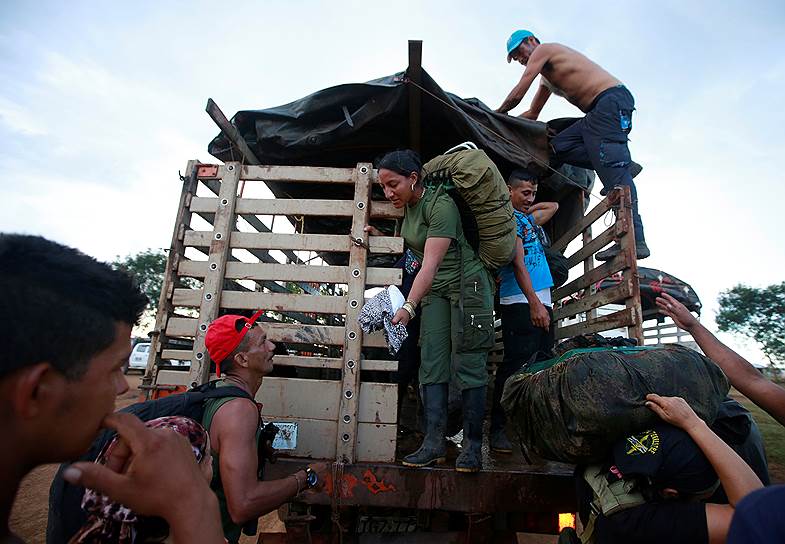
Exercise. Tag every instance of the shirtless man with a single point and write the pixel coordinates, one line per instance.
(598, 141)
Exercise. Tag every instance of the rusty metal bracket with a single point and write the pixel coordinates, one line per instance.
(207, 171)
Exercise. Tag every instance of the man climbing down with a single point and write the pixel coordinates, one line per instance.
(597, 141)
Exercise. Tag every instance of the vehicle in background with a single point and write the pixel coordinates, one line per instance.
(138, 357)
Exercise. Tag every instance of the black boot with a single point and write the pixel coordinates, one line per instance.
(470, 459)
(641, 251)
(434, 447)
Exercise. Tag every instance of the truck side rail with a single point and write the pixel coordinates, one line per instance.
(577, 301)
(229, 265)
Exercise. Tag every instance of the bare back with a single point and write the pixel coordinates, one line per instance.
(574, 75)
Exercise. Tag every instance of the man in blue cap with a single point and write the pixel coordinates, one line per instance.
(598, 141)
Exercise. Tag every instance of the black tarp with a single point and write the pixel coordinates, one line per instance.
(358, 122)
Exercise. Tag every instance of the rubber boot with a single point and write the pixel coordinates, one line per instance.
(470, 459)
(499, 441)
(434, 447)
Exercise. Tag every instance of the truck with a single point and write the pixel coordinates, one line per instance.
(277, 223)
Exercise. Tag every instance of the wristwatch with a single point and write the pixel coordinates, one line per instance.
(311, 478)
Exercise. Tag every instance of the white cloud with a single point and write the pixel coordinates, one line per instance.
(18, 119)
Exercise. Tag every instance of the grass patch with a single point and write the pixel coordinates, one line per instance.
(773, 437)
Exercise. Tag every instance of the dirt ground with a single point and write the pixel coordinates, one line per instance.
(28, 517)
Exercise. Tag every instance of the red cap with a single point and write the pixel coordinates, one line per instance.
(222, 336)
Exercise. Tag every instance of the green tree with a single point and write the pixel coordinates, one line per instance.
(148, 268)
(758, 313)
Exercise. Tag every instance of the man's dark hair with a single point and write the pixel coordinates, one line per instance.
(403, 162)
(521, 174)
(60, 305)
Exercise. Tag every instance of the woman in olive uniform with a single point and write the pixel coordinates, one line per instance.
(454, 293)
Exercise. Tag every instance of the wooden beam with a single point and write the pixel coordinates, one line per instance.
(596, 274)
(594, 214)
(278, 302)
(291, 206)
(592, 246)
(298, 242)
(231, 132)
(210, 295)
(618, 294)
(414, 73)
(173, 258)
(630, 273)
(292, 272)
(616, 320)
(351, 395)
(297, 174)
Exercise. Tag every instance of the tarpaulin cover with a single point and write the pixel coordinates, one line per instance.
(358, 122)
(653, 282)
(574, 410)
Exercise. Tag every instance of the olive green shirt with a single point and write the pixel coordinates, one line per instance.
(435, 215)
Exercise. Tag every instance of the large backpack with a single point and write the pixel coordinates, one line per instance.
(478, 188)
(66, 516)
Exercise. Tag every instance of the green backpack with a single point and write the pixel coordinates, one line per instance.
(478, 188)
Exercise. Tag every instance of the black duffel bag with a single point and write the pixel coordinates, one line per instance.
(571, 409)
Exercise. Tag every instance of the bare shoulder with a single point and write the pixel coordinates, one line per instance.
(547, 50)
(236, 416)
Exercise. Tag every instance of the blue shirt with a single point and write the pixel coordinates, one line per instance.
(534, 260)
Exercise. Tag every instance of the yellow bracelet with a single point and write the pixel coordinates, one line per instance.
(409, 307)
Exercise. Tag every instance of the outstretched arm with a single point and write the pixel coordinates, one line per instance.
(533, 68)
(737, 478)
(234, 430)
(538, 102)
(742, 375)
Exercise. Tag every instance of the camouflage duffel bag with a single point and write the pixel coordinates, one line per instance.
(571, 409)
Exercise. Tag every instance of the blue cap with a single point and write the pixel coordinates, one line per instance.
(515, 40)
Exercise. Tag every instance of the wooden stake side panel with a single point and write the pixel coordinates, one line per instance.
(359, 426)
(210, 295)
(579, 296)
(176, 255)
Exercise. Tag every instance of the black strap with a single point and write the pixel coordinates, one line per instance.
(210, 391)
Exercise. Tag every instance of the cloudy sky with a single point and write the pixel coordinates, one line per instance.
(103, 102)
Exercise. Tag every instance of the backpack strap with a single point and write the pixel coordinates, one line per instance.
(215, 397)
(608, 498)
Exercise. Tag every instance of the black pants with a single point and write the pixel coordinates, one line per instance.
(599, 142)
(521, 340)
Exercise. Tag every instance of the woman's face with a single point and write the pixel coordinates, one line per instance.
(397, 188)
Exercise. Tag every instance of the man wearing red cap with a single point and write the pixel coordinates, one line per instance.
(243, 356)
